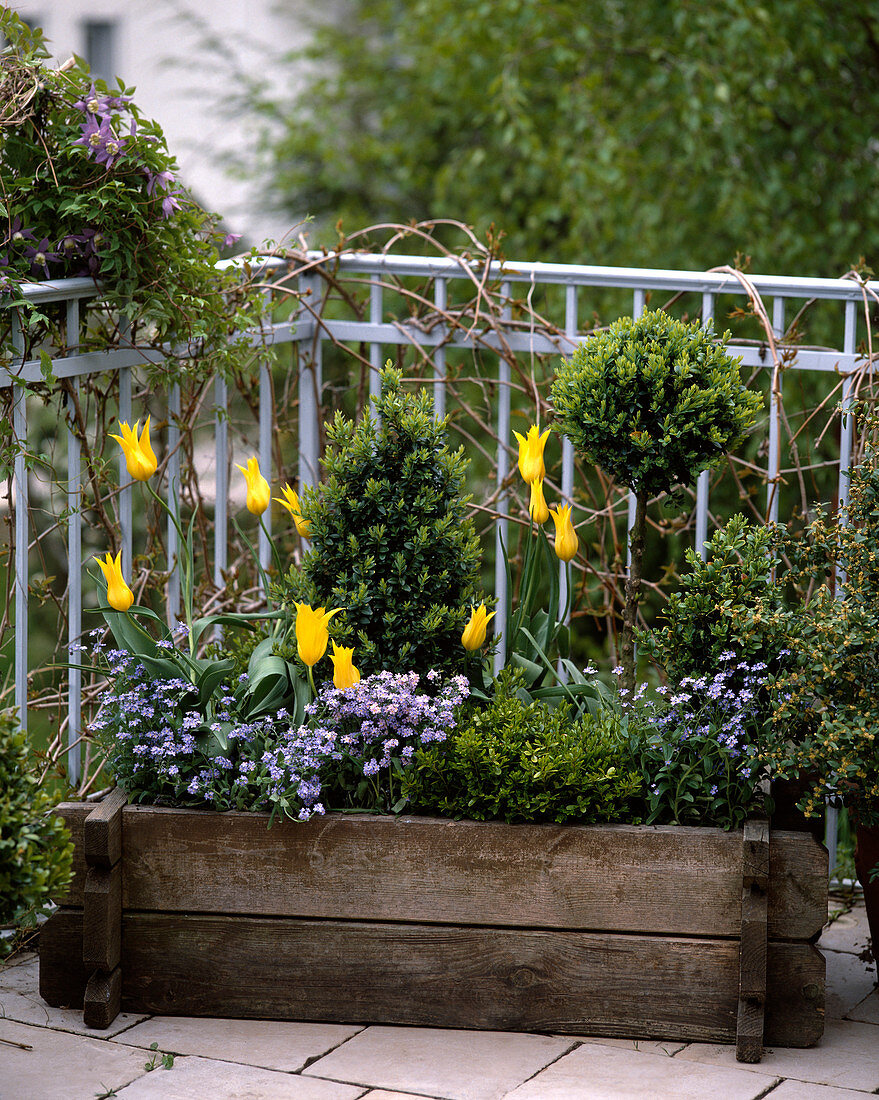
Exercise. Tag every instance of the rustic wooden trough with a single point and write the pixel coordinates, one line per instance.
(614, 930)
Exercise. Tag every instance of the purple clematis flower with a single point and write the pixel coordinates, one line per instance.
(17, 232)
(101, 105)
(41, 255)
(100, 141)
(162, 180)
(170, 203)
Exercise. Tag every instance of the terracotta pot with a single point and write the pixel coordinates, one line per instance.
(866, 858)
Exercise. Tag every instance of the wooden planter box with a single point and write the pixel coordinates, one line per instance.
(614, 930)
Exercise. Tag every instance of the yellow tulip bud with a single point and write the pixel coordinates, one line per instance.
(290, 500)
(531, 465)
(139, 457)
(537, 508)
(345, 674)
(258, 492)
(566, 541)
(312, 636)
(119, 595)
(474, 632)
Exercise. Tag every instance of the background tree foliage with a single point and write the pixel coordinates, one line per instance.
(670, 133)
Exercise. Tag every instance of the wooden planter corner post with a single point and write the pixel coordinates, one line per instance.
(102, 911)
(754, 942)
(624, 931)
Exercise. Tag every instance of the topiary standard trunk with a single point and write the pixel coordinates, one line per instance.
(633, 590)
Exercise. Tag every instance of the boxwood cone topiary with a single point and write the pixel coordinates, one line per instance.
(35, 850)
(391, 542)
(654, 401)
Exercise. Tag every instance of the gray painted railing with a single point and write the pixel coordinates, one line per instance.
(311, 329)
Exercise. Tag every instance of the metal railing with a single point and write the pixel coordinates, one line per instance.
(310, 328)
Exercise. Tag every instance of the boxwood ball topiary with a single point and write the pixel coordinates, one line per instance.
(653, 401)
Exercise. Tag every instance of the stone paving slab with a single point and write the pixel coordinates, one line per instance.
(799, 1090)
(596, 1071)
(848, 932)
(645, 1046)
(208, 1079)
(847, 1057)
(458, 1065)
(849, 981)
(386, 1094)
(272, 1044)
(21, 1001)
(868, 1010)
(61, 1066)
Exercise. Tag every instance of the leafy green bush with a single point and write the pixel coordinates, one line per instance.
(730, 601)
(36, 855)
(653, 401)
(90, 189)
(391, 542)
(518, 761)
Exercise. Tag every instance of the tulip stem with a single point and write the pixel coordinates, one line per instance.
(184, 557)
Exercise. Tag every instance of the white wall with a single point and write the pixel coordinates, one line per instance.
(159, 48)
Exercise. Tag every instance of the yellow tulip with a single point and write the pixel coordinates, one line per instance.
(290, 500)
(345, 674)
(119, 595)
(566, 541)
(474, 632)
(537, 508)
(139, 457)
(312, 636)
(258, 492)
(531, 465)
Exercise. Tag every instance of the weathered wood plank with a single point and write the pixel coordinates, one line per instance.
(74, 815)
(432, 975)
(102, 918)
(103, 998)
(102, 834)
(753, 944)
(795, 993)
(63, 975)
(668, 880)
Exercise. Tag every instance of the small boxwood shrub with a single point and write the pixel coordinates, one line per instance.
(731, 601)
(36, 855)
(518, 761)
(391, 541)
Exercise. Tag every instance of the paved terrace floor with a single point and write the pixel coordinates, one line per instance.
(47, 1054)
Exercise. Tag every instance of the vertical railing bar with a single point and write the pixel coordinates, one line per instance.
(846, 430)
(567, 486)
(266, 411)
(639, 304)
(74, 568)
(773, 467)
(173, 555)
(126, 522)
(19, 430)
(440, 288)
(503, 504)
(309, 389)
(221, 498)
(703, 485)
(375, 349)
(846, 439)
